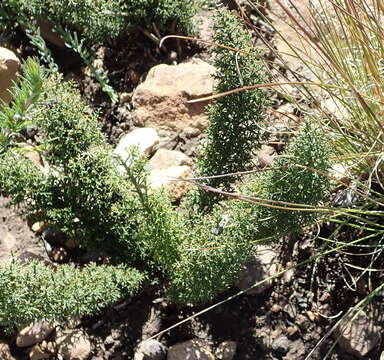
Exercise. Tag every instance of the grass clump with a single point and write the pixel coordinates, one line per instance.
(235, 128)
(34, 291)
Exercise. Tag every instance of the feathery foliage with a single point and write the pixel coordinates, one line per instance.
(99, 20)
(235, 121)
(17, 115)
(221, 243)
(34, 291)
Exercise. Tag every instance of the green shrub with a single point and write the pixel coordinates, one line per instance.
(297, 177)
(209, 262)
(34, 291)
(211, 259)
(84, 195)
(235, 131)
(162, 13)
(68, 125)
(99, 20)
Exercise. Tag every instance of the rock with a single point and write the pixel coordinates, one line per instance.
(49, 35)
(38, 227)
(124, 97)
(161, 100)
(341, 174)
(164, 159)
(280, 345)
(204, 21)
(73, 345)
(34, 333)
(276, 308)
(42, 351)
(5, 351)
(292, 330)
(265, 156)
(226, 350)
(144, 138)
(153, 324)
(335, 108)
(163, 178)
(167, 164)
(257, 268)
(36, 158)
(296, 350)
(9, 67)
(71, 243)
(359, 335)
(195, 349)
(150, 350)
(58, 254)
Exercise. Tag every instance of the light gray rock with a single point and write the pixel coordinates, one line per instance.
(150, 350)
(358, 335)
(143, 138)
(161, 100)
(226, 350)
(280, 345)
(258, 267)
(9, 67)
(335, 108)
(195, 349)
(73, 344)
(34, 333)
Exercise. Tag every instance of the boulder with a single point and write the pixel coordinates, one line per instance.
(73, 344)
(258, 267)
(9, 67)
(195, 349)
(150, 350)
(358, 335)
(34, 333)
(161, 100)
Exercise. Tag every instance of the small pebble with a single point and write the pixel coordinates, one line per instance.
(311, 316)
(292, 330)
